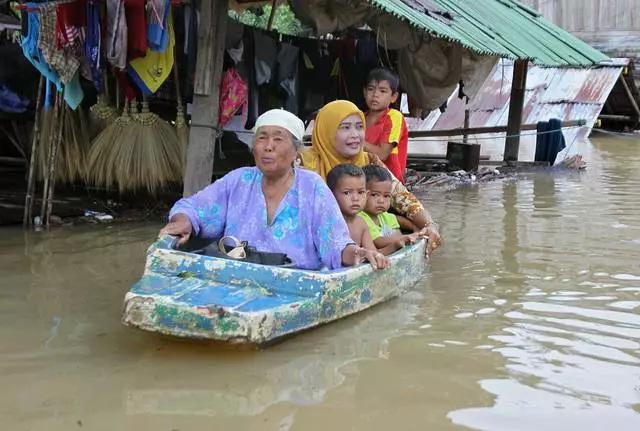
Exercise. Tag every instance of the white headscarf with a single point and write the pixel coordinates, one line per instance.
(284, 119)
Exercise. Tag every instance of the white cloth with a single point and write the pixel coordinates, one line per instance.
(281, 118)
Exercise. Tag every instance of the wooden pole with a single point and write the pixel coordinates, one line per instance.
(465, 137)
(47, 203)
(482, 130)
(272, 15)
(632, 99)
(27, 219)
(50, 145)
(206, 98)
(52, 168)
(516, 105)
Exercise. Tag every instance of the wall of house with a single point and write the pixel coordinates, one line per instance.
(612, 26)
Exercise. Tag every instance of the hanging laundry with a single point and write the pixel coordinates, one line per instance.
(265, 57)
(288, 75)
(61, 61)
(92, 44)
(190, 49)
(137, 28)
(154, 68)
(233, 95)
(116, 40)
(70, 23)
(157, 15)
(73, 93)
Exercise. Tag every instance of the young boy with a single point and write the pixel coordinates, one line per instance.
(386, 135)
(384, 227)
(347, 182)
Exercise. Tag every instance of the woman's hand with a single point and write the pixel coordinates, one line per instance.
(376, 259)
(430, 232)
(179, 226)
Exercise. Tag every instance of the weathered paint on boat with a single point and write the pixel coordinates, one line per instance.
(189, 295)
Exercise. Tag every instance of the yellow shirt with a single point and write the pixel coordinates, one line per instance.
(387, 222)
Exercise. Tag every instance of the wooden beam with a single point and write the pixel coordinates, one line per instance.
(516, 106)
(630, 95)
(206, 99)
(617, 117)
(272, 15)
(483, 130)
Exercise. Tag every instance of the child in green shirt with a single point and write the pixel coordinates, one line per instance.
(384, 227)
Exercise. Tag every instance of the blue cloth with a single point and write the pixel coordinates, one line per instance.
(308, 225)
(92, 44)
(550, 141)
(157, 34)
(73, 93)
(11, 102)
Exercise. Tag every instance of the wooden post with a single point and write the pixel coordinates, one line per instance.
(516, 105)
(465, 137)
(53, 159)
(632, 99)
(50, 145)
(27, 218)
(206, 98)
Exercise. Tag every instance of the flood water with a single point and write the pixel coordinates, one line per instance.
(528, 320)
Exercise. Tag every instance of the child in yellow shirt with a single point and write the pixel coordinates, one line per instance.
(384, 227)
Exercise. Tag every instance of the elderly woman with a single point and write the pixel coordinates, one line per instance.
(273, 206)
(338, 137)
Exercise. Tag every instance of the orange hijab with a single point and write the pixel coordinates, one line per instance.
(322, 156)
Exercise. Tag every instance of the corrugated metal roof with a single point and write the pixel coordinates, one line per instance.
(567, 94)
(504, 28)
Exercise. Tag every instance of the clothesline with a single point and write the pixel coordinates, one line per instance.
(24, 7)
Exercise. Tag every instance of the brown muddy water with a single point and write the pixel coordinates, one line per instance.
(529, 320)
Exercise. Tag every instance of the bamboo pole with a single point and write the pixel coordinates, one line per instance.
(50, 143)
(52, 168)
(28, 200)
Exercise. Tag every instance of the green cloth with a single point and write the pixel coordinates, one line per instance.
(387, 223)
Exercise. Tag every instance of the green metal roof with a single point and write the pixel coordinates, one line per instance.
(499, 27)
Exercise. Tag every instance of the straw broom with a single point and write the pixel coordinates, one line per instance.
(102, 113)
(100, 160)
(151, 156)
(74, 147)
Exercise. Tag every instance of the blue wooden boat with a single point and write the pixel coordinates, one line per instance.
(189, 295)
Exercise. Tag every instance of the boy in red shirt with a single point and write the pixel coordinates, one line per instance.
(387, 135)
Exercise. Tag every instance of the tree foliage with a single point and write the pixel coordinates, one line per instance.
(285, 21)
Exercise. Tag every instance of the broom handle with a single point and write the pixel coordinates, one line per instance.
(52, 168)
(28, 200)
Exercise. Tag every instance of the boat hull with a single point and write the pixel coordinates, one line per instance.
(188, 295)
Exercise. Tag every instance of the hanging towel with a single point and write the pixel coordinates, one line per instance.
(137, 28)
(116, 40)
(59, 60)
(92, 44)
(151, 71)
(157, 16)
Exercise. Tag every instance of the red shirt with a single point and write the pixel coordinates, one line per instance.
(391, 128)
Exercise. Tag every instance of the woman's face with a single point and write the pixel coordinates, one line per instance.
(350, 136)
(273, 150)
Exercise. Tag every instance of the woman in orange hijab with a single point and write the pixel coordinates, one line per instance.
(338, 137)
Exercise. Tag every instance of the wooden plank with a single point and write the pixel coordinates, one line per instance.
(630, 95)
(205, 116)
(483, 130)
(516, 105)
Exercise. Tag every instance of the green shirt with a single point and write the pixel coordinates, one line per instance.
(387, 223)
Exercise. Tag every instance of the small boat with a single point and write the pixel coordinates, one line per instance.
(185, 294)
